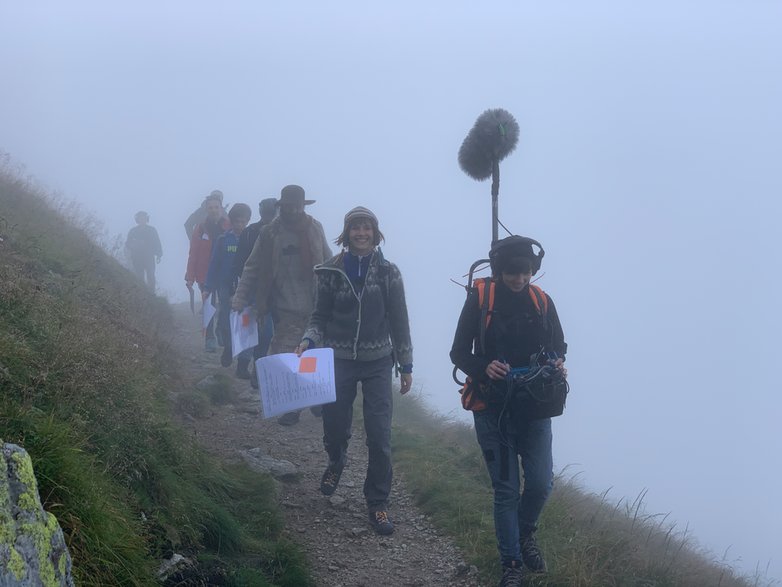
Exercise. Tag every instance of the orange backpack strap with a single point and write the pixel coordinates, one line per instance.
(539, 299)
(486, 304)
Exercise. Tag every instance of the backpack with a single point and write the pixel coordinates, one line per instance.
(474, 396)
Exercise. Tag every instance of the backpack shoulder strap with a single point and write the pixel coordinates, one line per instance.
(486, 303)
(539, 299)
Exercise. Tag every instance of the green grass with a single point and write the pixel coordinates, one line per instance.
(85, 377)
(589, 540)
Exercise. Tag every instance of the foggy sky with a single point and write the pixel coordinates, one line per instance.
(648, 167)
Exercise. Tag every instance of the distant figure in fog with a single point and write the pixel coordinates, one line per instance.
(221, 276)
(143, 246)
(268, 209)
(204, 237)
(199, 214)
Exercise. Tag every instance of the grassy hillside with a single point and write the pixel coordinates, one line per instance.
(85, 374)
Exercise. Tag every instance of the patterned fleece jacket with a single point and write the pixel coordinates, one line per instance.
(366, 325)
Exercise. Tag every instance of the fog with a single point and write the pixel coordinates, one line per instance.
(647, 166)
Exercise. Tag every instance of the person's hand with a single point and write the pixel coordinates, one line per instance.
(497, 370)
(205, 295)
(237, 305)
(189, 283)
(303, 346)
(559, 364)
(406, 382)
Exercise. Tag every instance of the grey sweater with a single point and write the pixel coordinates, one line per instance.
(365, 325)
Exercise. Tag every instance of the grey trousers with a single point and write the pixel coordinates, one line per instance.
(375, 378)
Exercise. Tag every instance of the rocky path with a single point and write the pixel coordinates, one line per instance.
(343, 549)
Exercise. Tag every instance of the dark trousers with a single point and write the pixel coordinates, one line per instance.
(223, 316)
(375, 378)
(145, 266)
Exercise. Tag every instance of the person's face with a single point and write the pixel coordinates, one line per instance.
(239, 223)
(361, 237)
(142, 220)
(213, 209)
(291, 211)
(268, 211)
(516, 282)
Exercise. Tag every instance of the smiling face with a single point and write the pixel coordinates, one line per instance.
(361, 237)
(516, 282)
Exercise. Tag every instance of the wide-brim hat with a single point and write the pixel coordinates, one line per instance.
(293, 194)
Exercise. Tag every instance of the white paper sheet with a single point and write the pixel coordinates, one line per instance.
(209, 309)
(244, 330)
(287, 382)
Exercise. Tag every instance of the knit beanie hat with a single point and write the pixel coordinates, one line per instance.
(360, 212)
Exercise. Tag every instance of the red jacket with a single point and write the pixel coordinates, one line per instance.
(201, 252)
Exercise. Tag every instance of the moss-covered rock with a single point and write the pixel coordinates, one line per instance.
(32, 545)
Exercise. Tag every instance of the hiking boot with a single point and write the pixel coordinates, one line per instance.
(531, 554)
(242, 367)
(225, 358)
(289, 419)
(381, 523)
(512, 576)
(317, 411)
(330, 480)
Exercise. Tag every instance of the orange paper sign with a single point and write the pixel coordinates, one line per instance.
(307, 364)
(245, 320)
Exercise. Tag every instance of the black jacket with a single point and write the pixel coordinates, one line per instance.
(516, 331)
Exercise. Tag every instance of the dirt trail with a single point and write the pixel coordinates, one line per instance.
(343, 549)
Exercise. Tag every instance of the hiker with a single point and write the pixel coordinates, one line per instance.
(517, 330)
(221, 276)
(267, 208)
(204, 236)
(279, 274)
(143, 246)
(199, 214)
(361, 313)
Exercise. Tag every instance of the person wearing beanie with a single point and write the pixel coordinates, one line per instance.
(517, 331)
(144, 248)
(278, 275)
(361, 314)
(199, 215)
(203, 238)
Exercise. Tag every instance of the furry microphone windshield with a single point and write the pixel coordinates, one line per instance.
(492, 138)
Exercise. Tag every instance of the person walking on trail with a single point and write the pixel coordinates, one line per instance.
(143, 246)
(279, 274)
(268, 209)
(204, 236)
(517, 331)
(221, 276)
(200, 214)
(361, 313)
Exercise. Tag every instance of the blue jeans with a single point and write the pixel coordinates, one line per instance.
(516, 512)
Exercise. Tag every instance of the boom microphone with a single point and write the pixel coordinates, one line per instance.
(491, 139)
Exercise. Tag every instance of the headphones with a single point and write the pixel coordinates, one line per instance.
(500, 247)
